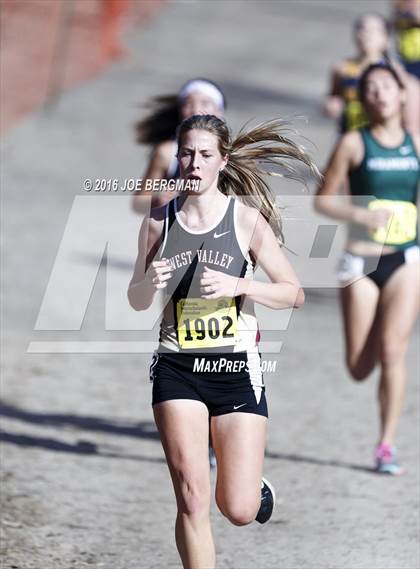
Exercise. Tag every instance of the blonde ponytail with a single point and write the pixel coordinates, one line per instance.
(253, 154)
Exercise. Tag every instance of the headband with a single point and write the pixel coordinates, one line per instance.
(204, 87)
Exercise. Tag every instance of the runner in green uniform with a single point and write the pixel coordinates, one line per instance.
(379, 269)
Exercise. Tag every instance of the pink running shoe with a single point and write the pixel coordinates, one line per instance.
(387, 461)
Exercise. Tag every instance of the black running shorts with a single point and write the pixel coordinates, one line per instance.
(225, 383)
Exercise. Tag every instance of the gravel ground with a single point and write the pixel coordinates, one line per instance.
(84, 482)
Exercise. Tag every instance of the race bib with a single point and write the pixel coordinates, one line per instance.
(206, 323)
(402, 225)
(355, 115)
(409, 44)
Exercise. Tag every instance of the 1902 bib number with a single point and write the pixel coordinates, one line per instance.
(206, 323)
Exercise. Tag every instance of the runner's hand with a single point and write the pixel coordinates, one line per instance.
(215, 284)
(375, 219)
(158, 273)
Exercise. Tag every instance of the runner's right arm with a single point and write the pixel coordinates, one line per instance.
(333, 105)
(347, 155)
(150, 275)
(157, 170)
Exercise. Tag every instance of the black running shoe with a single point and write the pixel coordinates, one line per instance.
(268, 501)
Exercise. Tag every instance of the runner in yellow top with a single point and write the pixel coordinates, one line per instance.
(371, 36)
(406, 20)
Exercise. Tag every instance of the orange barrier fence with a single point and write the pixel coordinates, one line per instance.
(50, 45)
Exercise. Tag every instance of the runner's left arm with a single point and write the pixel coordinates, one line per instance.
(284, 290)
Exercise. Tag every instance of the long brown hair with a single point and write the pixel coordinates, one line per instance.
(253, 154)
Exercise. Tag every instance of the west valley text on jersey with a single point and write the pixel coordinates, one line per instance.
(204, 256)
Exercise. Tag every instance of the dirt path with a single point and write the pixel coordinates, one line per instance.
(84, 483)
